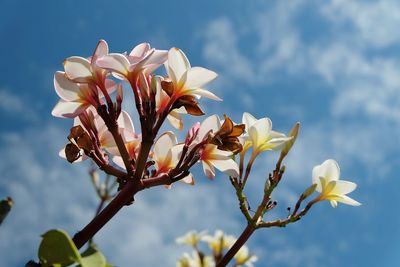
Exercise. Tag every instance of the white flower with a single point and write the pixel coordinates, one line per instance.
(243, 257)
(260, 135)
(191, 238)
(219, 241)
(327, 176)
(188, 80)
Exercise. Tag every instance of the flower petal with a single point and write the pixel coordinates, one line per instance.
(208, 170)
(78, 69)
(259, 132)
(248, 120)
(177, 62)
(125, 122)
(205, 93)
(115, 62)
(349, 201)
(66, 109)
(175, 119)
(65, 89)
(211, 123)
(330, 170)
(101, 49)
(228, 167)
(163, 145)
(198, 76)
(344, 187)
(140, 50)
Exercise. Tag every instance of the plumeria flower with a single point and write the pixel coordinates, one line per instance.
(187, 80)
(127, 66)
(77, 86)
(243, 257)
(211, 156)
(76, 97)
(219, 241)
(260, 135)
(166, 155)
(86, 70)
(191, 238)
(327, 176)
(195, 261)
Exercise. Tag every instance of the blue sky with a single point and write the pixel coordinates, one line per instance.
(332, 65)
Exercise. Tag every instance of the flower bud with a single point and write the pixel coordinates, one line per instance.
(293, 133)
(192, 133)
(309, 191)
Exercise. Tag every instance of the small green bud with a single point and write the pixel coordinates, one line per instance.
(309, 191)
(293, 133)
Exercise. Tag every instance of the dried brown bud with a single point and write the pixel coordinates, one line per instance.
(79, 139)
(227, 136)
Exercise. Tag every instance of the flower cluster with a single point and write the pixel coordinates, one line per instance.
(91, 92)
(217, 244)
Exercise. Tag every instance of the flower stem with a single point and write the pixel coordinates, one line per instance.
(124, 196)
(247, 232)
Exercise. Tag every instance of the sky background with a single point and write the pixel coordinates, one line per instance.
(332, 65)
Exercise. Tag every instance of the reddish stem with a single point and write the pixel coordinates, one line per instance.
(247, 232)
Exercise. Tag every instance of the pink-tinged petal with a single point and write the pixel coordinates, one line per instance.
(163, 145)
(175, 120)
(208, 170)
(177, 62)
(188, 179)
(228, 167)
(115, 62)
(107, 140)
(140, 50)
(211, 123)
(78, 69)
(101, 49)
(248, 120)
(158, 57)
(65, 89)
(64, 109)
(125, 122)
(197, 77)
(205, 93)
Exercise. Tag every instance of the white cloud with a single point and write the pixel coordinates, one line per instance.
(14, 104)
(374, 22)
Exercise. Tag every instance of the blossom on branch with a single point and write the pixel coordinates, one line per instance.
(128, 66)
(260, 136)
(327, 176)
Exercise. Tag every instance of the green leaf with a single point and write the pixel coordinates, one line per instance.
(57, 248)
(5, 207)
(92, 257)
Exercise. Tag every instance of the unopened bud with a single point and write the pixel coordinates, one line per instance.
(192, 133)
(293, 133)
(309, 191)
